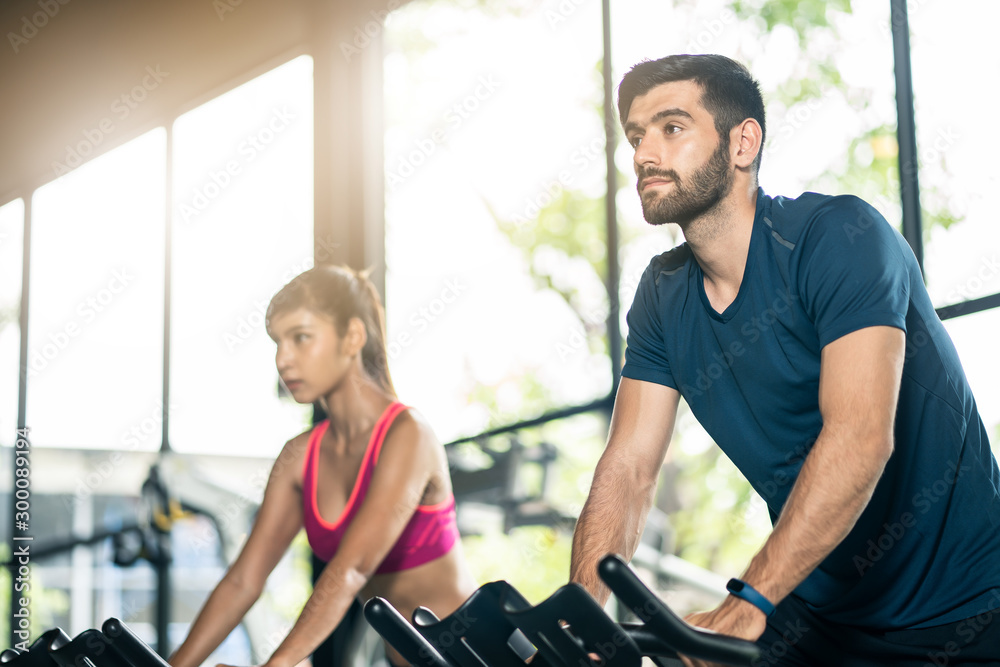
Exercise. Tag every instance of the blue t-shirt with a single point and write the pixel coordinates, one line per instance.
(926, 550)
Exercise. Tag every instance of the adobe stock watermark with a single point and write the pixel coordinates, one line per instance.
(562, 12)
(790, 636)
(578, 340)
(795, 118)
(137, 434)
(459, 623)
(606, 651)
(364, 34)
(944, 139)
(629, 283)
(425, 315)
(581, 158)
(897, 18)
(247, 325)
(542, 542)
(86, 311)
(711, 31)
(31, 25)
(752, 331)
(223, 7)
(769, 489)
(247, 151)
(252, 321)
(121, 108)
(971, 288)
(407, 507)
(454, 118)
(922, 502)
(966, 631)
(237, 511)
(98, 643)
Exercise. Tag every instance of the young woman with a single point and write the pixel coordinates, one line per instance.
(370, 484)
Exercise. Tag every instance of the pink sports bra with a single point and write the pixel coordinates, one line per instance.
(430, 534)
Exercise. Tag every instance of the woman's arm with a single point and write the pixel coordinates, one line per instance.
(407, 463)
(278, 521)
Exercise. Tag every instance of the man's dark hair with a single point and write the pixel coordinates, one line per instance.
(729, 91)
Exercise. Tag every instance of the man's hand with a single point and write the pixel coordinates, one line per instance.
(733, 617)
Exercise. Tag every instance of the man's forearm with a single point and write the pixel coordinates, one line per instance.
(832, 490)
(611, 521)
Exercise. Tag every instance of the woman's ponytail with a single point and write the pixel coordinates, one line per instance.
(374, 356)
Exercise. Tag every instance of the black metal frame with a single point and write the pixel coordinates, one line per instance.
(906, 135)
(906, 130)
(969, 307)
(610, 200)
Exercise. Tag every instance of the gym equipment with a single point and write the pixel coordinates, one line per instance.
(174, 489)
(499, 483)
(114, 645)
(497, 627)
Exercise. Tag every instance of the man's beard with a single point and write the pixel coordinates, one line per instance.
(700, 192)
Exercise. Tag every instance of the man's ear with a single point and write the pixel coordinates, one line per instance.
(356, 336)
(746, 139)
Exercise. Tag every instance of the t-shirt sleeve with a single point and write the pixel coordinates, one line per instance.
(852, 271)
(645, 352)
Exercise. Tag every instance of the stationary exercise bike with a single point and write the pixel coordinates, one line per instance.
(497, 627)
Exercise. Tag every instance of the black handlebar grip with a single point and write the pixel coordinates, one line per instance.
(54, 639)
(680, 636)
(401, 635)
(39, 654)
(129, 646)
(424, 616)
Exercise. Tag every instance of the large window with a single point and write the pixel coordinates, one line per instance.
(243, 227)
(958, 184)
(494, 211)
(95, 336)
(975, 339)
(959, 188)
(240, 227)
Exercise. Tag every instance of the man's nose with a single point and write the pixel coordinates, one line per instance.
(646, 153)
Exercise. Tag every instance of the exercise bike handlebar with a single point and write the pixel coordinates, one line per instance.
(662, 632)
(565, 629)
(395, 629)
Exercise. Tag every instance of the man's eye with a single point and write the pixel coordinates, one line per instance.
(635, 141)
(672, 129)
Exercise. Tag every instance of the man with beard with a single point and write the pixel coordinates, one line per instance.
(801, 335)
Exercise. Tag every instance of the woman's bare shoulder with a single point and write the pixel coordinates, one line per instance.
(292, 455)
(411, 426)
